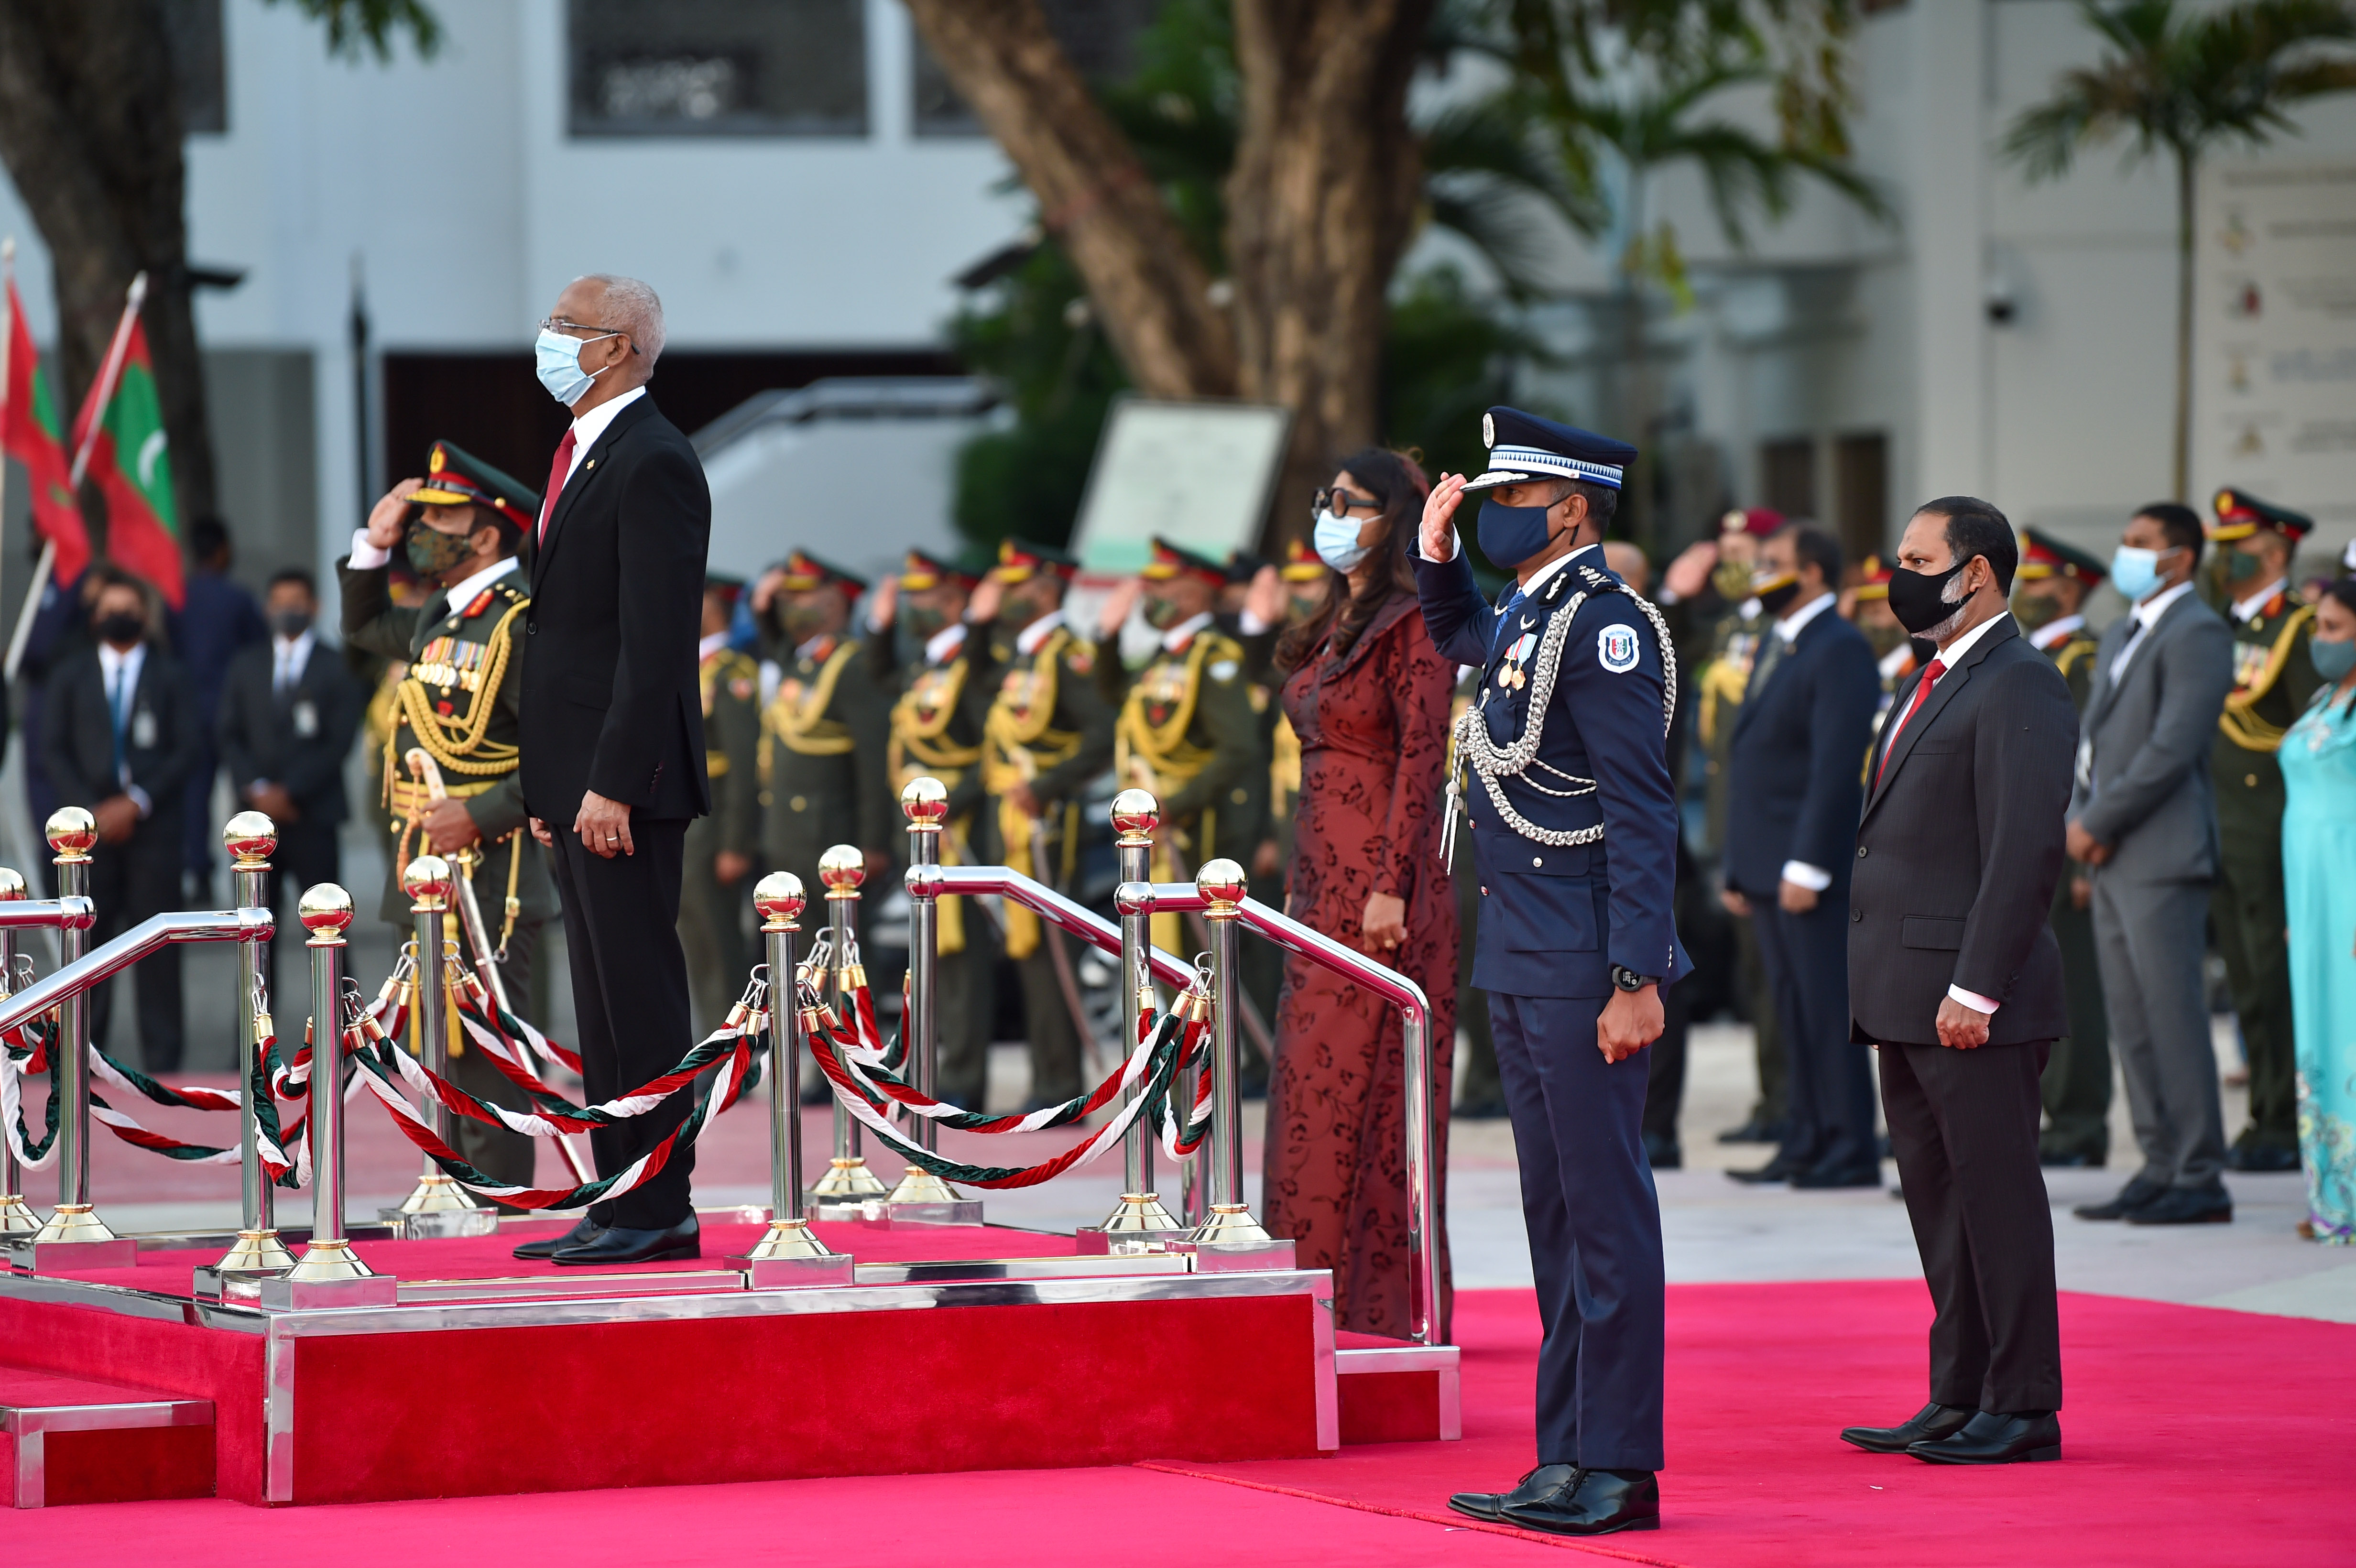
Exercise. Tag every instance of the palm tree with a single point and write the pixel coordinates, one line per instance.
(2185, 81)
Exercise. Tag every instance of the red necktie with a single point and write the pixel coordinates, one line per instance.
(558, 472)
(1930, 674)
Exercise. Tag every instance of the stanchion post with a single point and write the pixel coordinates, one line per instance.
(437, 1206)
(251, 840)
(921, 1196)
(847, 1182)
(1229, 1222)
(791, 1253)
(1138, 1223)
(17, 1216)
(71, 833)
(329, 1272)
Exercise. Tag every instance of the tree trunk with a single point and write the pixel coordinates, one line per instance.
(2179, 469)
(91, 130)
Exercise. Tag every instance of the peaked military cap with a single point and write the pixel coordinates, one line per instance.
(923, 571)
(1176, 560)
(1019, 561)
(2043, 556)
(1757, 521)
(1243, 565)
(457, 477)
(1302, 564)
(1523, 447)
(805, 572)
(730, 589)
(1873, 578)
(2241, 514)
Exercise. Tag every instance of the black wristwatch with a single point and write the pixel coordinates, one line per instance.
(1627, 979)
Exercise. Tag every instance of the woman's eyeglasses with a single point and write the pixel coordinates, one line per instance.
(1341, 503)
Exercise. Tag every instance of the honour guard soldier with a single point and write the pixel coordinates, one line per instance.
(936, 729)
(1047, 735)
(1186, 729)
(720, 847)
(458, 528)
(2048, 597)
(1563, 761)
(2274, 676)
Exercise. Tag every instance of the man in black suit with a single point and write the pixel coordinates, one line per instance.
(288, 711)
(119, 734)
(1791, 801)
(1956, 976)
(613, 749)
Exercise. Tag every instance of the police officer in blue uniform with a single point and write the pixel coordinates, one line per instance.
(1563, 769)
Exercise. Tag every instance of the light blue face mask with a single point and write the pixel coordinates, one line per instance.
(557, 362)
(2135, 573)
(1336, 542)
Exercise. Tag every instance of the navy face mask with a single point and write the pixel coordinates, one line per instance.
(1511, 535)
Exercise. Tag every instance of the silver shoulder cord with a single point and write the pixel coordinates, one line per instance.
(1475, 750)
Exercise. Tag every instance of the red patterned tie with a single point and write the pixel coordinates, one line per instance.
(558, 472)
(1930, 674)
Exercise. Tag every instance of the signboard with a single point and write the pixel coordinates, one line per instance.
(2273, 390)
(1197, 473)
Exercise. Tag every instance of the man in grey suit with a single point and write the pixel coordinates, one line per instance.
(1954, 974)
(2141, 815)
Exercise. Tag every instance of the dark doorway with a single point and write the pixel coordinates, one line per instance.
(1861, 491)
(1787, 475)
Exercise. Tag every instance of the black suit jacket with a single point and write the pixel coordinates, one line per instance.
(78, 732)
(1793, 770)
(266, 736)
(1960, 849)
(610, 699)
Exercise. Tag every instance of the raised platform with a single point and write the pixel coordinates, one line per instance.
(493, 1375)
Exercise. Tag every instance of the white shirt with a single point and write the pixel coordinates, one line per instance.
(2147, 614)
(588, 427)
(1815, 878)
(1177, 637)
(120, 671)
(943, 645)
(710, 646)
(461, 593)
(1027, 640)
(2053, 632)
(2246, 610)
(289, 658)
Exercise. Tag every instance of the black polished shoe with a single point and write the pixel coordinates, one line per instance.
(1987, 1439)
(1928, 1424)
(1542, 1482)
(616, 1245)
(1820, 1175)
(1757, 1130)
(2258, 1157)
(2130, 1198)
(1775, 1170)
(2186, 1206)
(1663, 1153)
(583, 1229)
(1602, 1502)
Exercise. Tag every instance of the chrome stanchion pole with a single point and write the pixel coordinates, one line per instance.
(791, 1253)
(437, 1206)
(922, 1195)
(251, 840)
(71, 833)
(1138, 1223)
(847, 1182)
(1230, 1221)
(17, 1216)
(329, 1272)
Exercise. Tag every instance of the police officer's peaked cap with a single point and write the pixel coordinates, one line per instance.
(1176, 560)
(922, 570)
(2042, 556)
(1019, 561)
(2241, 514)
(1523, 447)
(457, 477)
(805, 572)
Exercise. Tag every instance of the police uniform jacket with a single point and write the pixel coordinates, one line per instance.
(823, 737)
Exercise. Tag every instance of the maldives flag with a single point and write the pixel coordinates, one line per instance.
(132, 465)
(28, 432)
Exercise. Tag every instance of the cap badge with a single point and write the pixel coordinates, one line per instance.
(1488, 430)
(433, 465)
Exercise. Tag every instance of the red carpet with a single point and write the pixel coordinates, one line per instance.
(2191, 1435)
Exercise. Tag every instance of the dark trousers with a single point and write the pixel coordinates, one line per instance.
(966, 1004)
(1963, 1127)
(2246, 912)
(1595, 1232)
(128, 882)
(1481, 1090)
(711, 916)
(1665, 1091)
(1830, 1088)
(1048, 1021)
(508, 1156)
(1774, 1105)
(307, 855)
(631, 1004)
(2076, 1086)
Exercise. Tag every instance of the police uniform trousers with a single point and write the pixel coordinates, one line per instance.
(1828, 1087)
(712, 926)
(128, 882)
(1482, 1093)
(1594, 1226)
(2246, 911)
(631, 1004)
(1962, 1128)
(2076, 1086)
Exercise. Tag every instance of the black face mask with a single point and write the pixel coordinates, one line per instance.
(1778, 599)
(432, 552)
(290, 624)
(122, 628)
(1916, 597)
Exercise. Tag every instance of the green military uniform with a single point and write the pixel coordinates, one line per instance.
(2077, 1085)
(712, 912)
(823, 733)
(457, 703)
(2273, 677)
(1047, 727)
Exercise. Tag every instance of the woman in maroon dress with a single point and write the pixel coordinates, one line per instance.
(1367, 696)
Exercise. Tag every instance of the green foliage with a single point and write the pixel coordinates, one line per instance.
(371, 25)
(1449, 354)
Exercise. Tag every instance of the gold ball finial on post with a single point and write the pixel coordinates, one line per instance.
(1222, 885)
(842, 868)
(251, 840)
(427, 883)
(780, 900)
(1135, 815)
(71, 831)
(12, 886)
(926, 802)
(325, 912)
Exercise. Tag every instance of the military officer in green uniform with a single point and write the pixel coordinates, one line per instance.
(720, 849)
(1047, 735)
(824, 725)
(458, 528)
(2048, 598)
(2274, 676)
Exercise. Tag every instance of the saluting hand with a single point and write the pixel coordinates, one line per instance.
(766, 589)
(1440, 518)
(883, 604)
(1631, 1021)
(391, 514)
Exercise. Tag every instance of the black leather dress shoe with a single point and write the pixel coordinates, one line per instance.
(1542, 1482)
(1663, 1153)
(1928, 1424)
(2258, 1157)
(1775, 1170)
(2130, 1198)
(1603, 1501)
(616, 1245)
(583, 1229)
(1820, 1175)
(1989, 1439)
(2186, 1206)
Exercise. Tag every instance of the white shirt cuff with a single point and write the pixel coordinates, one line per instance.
(1974, 1001)
(139, 798)
(1805, 875)
(366, 557)
(1437, 560)
(1249, 624)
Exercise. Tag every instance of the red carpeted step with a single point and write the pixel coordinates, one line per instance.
(68, 1440)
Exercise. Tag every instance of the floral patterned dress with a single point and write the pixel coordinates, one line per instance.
(2318, 765)
(1373, 728)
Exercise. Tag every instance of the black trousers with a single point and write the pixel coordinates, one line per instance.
(494, 1151)
(307, 855)
(631, 1004)
(1963, 1127)
(128, 882)
(1665, 1090)
(1830, 1089)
